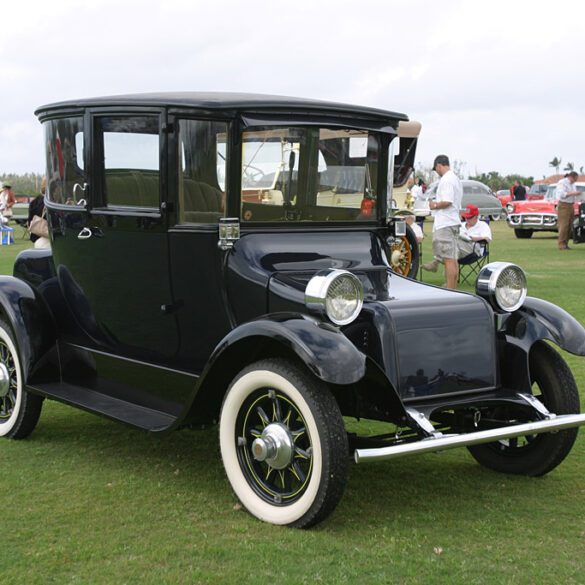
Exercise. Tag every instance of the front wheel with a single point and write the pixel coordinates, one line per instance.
(553, 384)
(523, 234)
(283, 444)
(19, 410)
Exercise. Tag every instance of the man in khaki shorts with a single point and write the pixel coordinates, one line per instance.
(447, 221)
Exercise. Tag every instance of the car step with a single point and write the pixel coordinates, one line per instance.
(444, 442)
(114, 408)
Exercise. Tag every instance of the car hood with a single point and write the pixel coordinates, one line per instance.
(428, 340)
(535, 206)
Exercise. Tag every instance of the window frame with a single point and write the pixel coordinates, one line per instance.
(99, 204)
(175, 161)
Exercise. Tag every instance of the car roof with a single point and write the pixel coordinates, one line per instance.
(223, 101)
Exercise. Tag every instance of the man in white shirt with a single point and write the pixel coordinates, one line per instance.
(472, 231)
(566, 196)
(447, 222)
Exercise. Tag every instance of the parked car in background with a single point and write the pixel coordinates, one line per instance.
(526, 217)
(537, 191)
(504, 196)
(475, 193)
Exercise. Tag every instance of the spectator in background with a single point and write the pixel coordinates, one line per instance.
(519, 193)
(472, 231)
(447, 221)
(419, 200)
(566, 196)
(409, 219)
(7, 201)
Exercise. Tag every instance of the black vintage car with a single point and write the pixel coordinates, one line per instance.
(224, 257)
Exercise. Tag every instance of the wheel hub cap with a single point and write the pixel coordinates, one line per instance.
(4, 380)
(396, 257)
(275, 446)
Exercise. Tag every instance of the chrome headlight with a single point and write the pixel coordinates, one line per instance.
(502, 284)
(338, 294)
(510, 208)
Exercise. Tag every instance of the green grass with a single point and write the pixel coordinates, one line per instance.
(85, 500)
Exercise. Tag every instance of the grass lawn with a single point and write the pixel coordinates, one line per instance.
(88, 501)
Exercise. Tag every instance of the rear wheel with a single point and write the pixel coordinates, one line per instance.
(523, 234)
(19, 410)
(553, 384)
(283, 444)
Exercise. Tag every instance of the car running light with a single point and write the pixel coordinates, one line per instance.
(502, 284)
(337, 294)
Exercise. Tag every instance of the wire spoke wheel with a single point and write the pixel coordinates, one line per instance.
(283, 444)
(19, 410)
(8, 382)
(274, 446)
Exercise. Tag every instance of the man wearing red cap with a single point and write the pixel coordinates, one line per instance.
(472, 231)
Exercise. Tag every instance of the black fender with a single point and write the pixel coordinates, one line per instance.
(544, 320)
(329, 354)
(535, 321)
(31, 323)
(324, 350)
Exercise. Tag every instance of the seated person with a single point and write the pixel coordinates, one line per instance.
(409, 219)
(472, 231)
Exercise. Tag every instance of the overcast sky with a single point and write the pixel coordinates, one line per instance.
(496, 84)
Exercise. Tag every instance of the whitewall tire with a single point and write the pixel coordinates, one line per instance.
(283, 444)
(19, 410)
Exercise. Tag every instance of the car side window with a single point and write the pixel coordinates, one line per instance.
(202, 170)
(131, 167)
(66, 177)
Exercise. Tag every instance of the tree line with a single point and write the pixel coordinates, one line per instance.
(29, 183)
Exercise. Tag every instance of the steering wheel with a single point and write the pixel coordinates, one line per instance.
(253, 174)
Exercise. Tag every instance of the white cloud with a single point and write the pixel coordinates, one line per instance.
(493, 83)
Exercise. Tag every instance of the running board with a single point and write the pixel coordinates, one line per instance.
(132, 414)
(444, 442)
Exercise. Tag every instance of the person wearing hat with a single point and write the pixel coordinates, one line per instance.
(471, 231)
(566, 195)
(7, 200)
(446, 219)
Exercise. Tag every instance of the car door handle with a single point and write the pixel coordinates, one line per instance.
(84, 234)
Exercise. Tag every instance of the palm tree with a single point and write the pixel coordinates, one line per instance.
(555, 163)
(569, 167)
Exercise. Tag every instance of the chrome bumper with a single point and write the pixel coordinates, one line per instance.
(444, 442)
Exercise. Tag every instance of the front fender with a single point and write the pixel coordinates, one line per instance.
(328, 353)
(31, 323)
(536, 321)
(543, 320)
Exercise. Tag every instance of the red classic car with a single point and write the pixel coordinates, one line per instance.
(537, 191)
(505, 196)
(526, 217)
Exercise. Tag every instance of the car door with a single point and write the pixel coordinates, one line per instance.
(114, 257)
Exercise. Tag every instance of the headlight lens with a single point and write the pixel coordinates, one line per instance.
(510, 208)
(338, 294)
(503, 285)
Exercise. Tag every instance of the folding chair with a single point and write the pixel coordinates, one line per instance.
(470, 265)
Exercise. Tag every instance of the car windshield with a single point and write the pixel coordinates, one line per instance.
(309, 174)
(538, 189)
